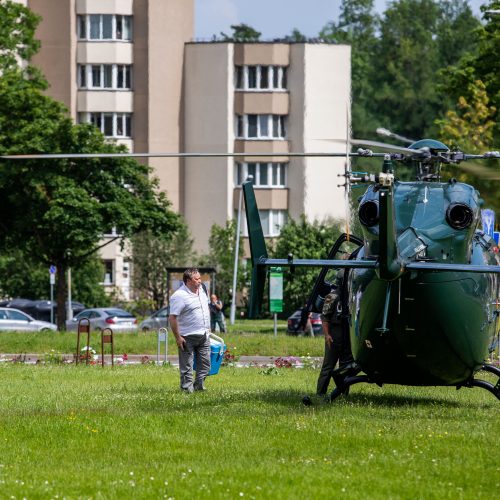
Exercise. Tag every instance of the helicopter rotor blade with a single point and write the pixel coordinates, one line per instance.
(377, 144)
(62, 156)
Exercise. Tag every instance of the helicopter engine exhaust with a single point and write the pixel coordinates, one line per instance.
(459, 215)
(369, 213)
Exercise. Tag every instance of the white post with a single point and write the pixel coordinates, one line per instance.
(236, 255)
(70, 309)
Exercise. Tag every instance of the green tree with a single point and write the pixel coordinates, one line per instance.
(22, 276)
(56, 210)
(470, 127)
(304, 240)
(17, 31)
(357, 27)
(242, 33)
(295, 36)
(480, 63)
(222, 245)
(416, 39)
(151, 257)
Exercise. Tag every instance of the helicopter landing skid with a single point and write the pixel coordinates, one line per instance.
(494, 389)
(343, 385)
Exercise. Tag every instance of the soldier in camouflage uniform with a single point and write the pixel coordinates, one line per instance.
(337, 345)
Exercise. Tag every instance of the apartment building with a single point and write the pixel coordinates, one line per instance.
(130, 67)
(259, 98)
(119, 65)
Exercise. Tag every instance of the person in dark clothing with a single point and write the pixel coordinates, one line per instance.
(216, 314)
(336, 332)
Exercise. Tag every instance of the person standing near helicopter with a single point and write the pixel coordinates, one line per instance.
(337, 345)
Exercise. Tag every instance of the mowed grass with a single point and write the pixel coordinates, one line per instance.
(245, 338)
(128, 432)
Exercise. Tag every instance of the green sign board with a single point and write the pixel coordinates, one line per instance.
(275, 290)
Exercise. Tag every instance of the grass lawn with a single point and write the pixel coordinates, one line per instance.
(128, 432)
(245, 338)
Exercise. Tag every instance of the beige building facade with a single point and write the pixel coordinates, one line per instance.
(119, 65)
(264, 98)
(130, 67)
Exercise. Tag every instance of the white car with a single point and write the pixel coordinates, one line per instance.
(156, 321)
(101, 318)
(18, 321)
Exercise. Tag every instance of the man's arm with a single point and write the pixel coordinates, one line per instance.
(175, 330)
(326, 332)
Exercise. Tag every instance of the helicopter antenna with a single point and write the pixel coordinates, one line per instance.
(347, 175)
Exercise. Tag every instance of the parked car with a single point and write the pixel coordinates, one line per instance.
(100, 318)
(157, 320)
(293, 324)
(16, 320)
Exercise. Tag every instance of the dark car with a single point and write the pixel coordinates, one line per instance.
(294, 328)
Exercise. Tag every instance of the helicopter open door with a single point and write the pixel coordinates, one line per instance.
(322, 287)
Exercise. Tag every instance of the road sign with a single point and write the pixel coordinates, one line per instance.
(275, 290)
(52, 269)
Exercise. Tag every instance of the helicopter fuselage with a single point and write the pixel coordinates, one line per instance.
(424, 327)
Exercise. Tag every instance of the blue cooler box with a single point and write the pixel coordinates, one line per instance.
(217, 350)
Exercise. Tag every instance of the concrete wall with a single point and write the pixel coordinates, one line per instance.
(323, 72)
(57, 32)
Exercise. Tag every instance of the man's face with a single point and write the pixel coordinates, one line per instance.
(194, 282)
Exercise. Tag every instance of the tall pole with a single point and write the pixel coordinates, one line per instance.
(236, 255)
(69, 314)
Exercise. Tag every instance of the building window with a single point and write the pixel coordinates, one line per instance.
(272, 221)
(267, 175)
(108, 272)
(260, 127)
(104, 27)
(105, 76)
(110, 124)
(261, 77)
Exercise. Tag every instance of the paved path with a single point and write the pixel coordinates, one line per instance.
(33, 358)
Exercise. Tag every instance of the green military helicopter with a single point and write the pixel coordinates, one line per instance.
(420, 295)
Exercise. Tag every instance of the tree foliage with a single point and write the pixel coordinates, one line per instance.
(357, 27)
(242, 33)
(222, 245)
(23, 276)
(17, 34)
(56, 210)
(469, 127)
(481, 63)
(304, 240)
(152, 255)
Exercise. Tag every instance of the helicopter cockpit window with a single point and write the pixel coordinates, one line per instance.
(410, 245)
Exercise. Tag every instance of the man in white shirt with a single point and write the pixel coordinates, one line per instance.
(190, 322)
